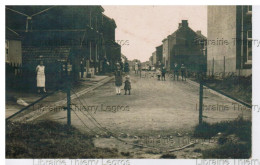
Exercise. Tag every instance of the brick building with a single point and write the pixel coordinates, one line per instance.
(159, 55)
(184, 46)
(81, 36)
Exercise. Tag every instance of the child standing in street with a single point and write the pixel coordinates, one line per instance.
(127, 84)
(158, 72)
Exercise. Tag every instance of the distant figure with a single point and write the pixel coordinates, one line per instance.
(127, 85)
(126, 67)
(163, 73)
(158, 72)
(81, 69)
(136, 68)
(176, 71)
(118, 80)
(183, 72)
(139, 67)
(40, 70)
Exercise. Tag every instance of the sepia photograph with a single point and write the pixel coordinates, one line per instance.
(128, 82)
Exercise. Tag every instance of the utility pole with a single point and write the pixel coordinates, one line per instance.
(68, 96)
(224, 74)
(201, 95)
(201, 102)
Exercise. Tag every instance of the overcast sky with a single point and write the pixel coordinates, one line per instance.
(144, 27)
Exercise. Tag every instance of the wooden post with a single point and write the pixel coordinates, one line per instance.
(68, 97)
(224, 74)
(213, 67)
(95, 60)
(201, 79)
(200, 102)
(68, 107)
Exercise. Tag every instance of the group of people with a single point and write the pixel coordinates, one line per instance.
(119, 81)
(40, 78)
(181, 69)
(162, 72)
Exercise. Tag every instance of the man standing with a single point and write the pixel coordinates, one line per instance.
(126, 67)
(183, 72)
(163, 73)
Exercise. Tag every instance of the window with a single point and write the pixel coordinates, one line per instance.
(90, 19)
(97, 52)
(249, 8)
(249, 45)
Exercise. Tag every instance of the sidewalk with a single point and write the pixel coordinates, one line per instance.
(58, 98)
(12, 104)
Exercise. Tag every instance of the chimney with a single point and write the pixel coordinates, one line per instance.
(198, 32)
(180, 25)
(184, 23)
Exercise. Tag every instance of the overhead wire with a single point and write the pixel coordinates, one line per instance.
(84, 123)
(112, 134)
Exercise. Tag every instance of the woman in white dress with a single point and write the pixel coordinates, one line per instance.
(40, 70)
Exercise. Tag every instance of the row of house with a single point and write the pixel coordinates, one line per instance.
(227, 50)
(81, 37)
(184, 46)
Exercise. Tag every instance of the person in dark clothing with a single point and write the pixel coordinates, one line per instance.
(183, 72)
(81, 69)
(127, 85)
(163, 73)
(126, 68)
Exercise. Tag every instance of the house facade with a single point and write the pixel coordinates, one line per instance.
(159, 55)
(229, 40)
(165, 52)
(185, 46)
(79, 36)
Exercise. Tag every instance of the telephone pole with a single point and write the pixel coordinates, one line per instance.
(201, 79)
(68, 96)
(200, 102)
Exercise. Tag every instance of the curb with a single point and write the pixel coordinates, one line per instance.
(38, 112)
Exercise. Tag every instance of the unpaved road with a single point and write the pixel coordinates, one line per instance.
(166, 111)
